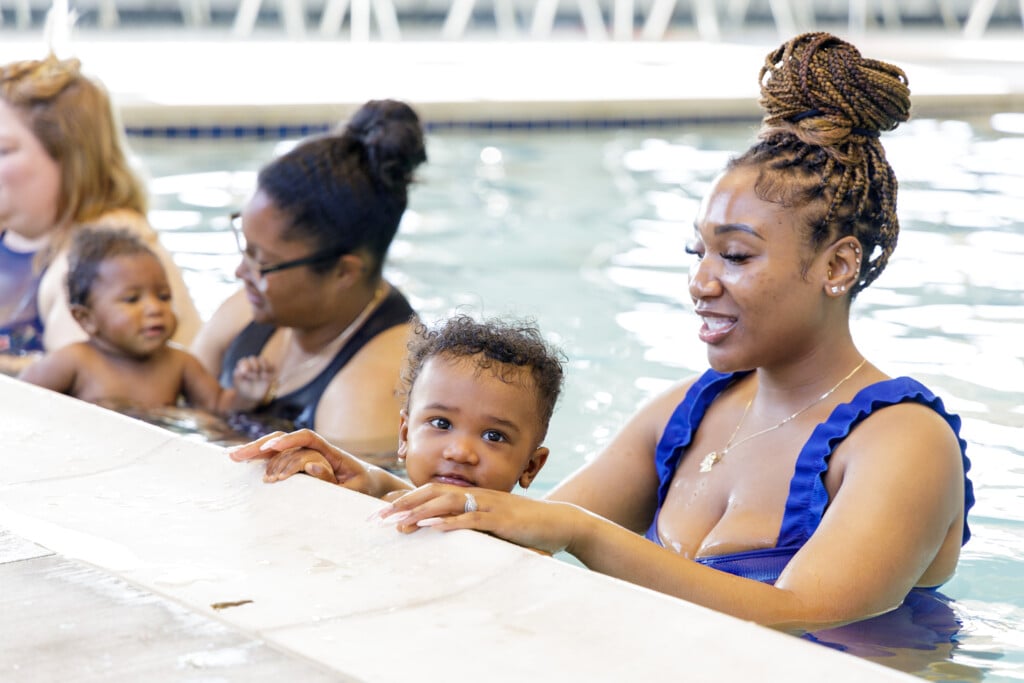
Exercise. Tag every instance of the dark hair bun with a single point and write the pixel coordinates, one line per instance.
(392, 136)
(821, 87)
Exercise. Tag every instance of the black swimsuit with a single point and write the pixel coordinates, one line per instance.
(297, 410)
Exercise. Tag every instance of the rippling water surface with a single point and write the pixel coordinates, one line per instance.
(585, 231)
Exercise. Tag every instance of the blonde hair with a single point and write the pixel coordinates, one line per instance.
(72, 117)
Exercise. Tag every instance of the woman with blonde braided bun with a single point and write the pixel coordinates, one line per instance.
(793, 484)
(63, 166)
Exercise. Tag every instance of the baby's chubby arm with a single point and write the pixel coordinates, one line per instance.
(305, 450)
(57, 370)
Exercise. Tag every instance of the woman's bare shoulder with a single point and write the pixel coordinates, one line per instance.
(905, 432)
(375, 369)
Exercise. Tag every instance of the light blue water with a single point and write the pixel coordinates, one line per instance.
(585, 232)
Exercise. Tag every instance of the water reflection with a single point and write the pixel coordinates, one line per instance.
(196, 425)
(920, 637)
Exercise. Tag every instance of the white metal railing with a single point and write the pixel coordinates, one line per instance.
(655, 16)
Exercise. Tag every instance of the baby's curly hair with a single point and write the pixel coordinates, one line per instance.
(502, 343)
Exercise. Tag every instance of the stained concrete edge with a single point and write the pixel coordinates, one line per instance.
(297, 566)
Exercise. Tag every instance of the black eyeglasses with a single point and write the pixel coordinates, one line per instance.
(255, 266)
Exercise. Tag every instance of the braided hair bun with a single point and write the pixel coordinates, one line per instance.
(827, 92)
(818, 148)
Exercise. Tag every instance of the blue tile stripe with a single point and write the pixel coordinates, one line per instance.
(292, 131)
(226, 131)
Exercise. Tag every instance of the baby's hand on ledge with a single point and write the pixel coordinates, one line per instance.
(307, 452)
(254, 450)
(299, 461)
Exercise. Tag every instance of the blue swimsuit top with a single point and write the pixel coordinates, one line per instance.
(808, 497)
(21, 328)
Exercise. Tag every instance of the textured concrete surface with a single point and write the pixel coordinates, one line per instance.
(130, 553)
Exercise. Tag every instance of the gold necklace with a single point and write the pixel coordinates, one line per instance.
(714, 456)
(329, 351)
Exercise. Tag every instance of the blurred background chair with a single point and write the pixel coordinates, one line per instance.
(590, 13)
(22, 14)
(461, 11)
(622, 20)
(359, 19)
(980, 15)
(293, 14)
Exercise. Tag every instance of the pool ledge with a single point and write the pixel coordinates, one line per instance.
(144, 554)
(209, 80)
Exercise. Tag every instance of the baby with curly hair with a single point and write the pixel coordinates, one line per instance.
(478, 400)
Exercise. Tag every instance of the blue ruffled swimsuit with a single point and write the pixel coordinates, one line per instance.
(21, 328)
(808, 497)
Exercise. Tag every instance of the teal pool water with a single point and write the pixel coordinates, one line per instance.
(584, 231)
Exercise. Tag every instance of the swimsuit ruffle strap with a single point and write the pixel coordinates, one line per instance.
(808, 497)
(679, 431)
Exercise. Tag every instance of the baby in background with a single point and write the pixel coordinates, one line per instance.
(478, 400)
(119, 293)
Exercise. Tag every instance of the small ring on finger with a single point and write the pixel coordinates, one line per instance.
(471, 505)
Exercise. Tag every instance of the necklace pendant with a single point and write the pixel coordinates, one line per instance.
(709, 461)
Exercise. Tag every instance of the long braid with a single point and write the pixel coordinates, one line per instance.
(818, 147)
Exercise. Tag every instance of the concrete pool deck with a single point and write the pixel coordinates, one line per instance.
(130, 553)
(162, 78)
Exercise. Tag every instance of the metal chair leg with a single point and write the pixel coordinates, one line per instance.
(457, 19)
(245, 18)
(977, 20)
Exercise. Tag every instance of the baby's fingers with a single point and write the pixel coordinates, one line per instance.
(284, 465)
(321, 471)
(254, 449)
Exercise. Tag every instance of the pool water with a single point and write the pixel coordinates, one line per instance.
(584, 231)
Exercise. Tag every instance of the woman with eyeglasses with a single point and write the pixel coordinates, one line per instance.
(314, 305)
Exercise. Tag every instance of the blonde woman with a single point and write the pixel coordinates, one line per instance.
(62, 166)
